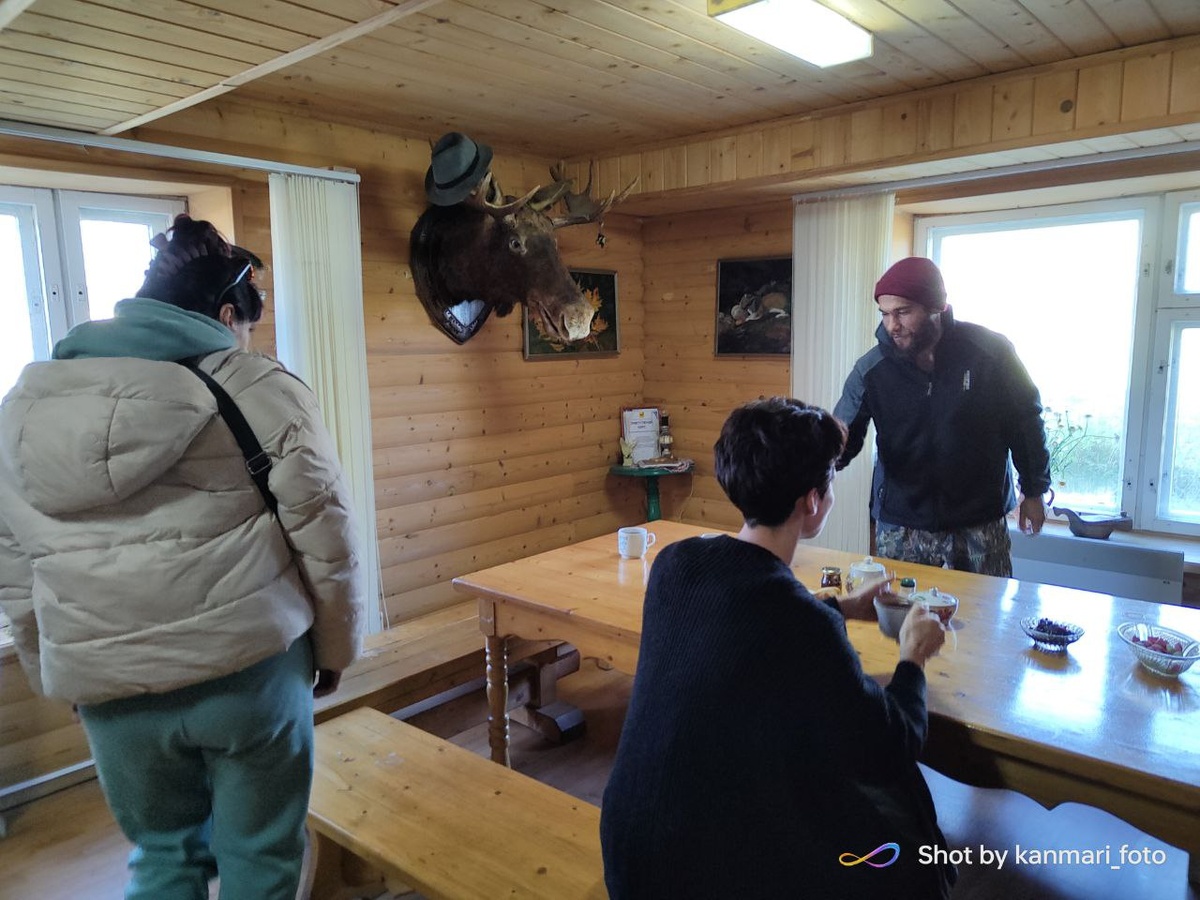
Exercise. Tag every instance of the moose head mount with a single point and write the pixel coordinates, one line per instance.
(492, 251)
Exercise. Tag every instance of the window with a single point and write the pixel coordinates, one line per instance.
(67, 257)
(1179, 484)
(1172, 477)
(1187, 272)
(1114, 350)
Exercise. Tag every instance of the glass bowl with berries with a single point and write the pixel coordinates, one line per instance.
(1049, 635)
(1161, 650)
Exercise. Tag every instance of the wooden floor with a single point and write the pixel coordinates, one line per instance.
(67, 847)
(64, 845)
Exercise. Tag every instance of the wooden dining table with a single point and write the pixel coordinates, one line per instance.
(1088, 725)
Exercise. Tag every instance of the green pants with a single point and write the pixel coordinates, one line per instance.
(212, 779)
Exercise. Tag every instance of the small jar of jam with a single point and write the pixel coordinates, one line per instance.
(831, 577)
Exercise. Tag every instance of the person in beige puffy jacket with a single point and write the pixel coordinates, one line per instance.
(149, 584)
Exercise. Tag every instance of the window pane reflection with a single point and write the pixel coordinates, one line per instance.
(16, 336)
(1187, 272)
(115, 258)
(1183, 469)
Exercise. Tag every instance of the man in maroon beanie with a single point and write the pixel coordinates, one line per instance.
(951, 404)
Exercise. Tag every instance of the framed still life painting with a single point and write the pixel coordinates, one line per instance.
(754, 307)
(600, 289)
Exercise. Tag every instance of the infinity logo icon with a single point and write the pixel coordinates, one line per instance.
(849, 859)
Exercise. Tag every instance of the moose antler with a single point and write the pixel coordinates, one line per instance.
(583, 207)
(489, 198)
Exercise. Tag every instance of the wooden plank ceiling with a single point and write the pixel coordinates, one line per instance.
(551, 77)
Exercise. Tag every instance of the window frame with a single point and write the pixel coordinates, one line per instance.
(1160, 419)
(44, 285)
(1146, 398)
(154, 211)
(52, 249)
(1173, 251)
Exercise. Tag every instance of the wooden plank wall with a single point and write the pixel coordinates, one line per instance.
(481, 456)
(683, 375)
(37, 736)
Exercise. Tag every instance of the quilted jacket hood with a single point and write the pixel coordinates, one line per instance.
(81, 434)
(85, 431)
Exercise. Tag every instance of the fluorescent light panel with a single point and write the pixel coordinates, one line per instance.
(803, 28)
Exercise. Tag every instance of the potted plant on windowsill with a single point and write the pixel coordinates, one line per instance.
(1071, 443)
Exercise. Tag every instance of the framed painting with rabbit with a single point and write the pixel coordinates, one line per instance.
(754, 307)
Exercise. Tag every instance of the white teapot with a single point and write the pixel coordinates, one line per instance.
(863, 571)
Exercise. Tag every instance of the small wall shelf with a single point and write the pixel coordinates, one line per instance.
(651, 475)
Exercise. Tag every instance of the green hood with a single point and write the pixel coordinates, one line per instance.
(146, 329)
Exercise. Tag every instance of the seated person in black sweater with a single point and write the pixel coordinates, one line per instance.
(757, 759)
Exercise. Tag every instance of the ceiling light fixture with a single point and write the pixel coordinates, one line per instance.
(803, 28)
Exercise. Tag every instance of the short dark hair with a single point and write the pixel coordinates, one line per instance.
(198, 270)
(772, 452)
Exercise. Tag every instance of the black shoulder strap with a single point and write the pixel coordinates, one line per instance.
(258, 464)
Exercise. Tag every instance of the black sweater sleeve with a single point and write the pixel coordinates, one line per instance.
(882, 729)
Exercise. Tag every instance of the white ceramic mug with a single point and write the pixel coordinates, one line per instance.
(632, 543)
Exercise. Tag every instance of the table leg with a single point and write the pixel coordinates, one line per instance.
(653, 510)
(496, 650)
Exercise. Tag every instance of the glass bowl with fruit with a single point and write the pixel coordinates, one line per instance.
(1161, 650)
(1049, 635)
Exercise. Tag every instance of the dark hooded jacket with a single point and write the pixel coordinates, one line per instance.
(945, 437)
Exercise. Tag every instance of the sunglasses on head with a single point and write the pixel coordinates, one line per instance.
(247, 270)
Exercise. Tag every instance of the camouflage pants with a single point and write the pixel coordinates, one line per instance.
(985, 549)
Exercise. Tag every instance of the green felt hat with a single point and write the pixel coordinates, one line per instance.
(458, 165)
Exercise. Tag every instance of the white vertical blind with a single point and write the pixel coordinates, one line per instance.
(840, 248)
(321, 335)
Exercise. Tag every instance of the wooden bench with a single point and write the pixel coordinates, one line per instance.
(421, 658)
(398, 807)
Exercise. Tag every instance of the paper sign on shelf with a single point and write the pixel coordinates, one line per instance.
(639, 427)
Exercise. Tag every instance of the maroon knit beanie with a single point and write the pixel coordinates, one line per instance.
(917, 280)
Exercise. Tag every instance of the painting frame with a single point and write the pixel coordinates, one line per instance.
(605, 339)
(754, 307)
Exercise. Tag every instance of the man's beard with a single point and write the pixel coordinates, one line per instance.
(922, 339)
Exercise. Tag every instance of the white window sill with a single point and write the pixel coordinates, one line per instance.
(1189, 547)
